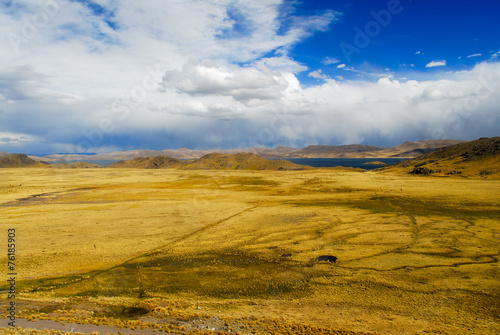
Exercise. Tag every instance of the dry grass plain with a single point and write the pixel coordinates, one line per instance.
(174, 251)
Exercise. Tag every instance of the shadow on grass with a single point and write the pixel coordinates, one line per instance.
(407, 206)
(211, 275)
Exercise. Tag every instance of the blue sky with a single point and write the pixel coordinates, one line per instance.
(104, 75)
(436, 30)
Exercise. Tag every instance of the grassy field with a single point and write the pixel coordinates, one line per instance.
(237, 251)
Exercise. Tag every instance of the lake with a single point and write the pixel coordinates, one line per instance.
(345, 162)
(314, 162)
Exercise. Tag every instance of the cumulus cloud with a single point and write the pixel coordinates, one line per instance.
(243, 84)
(463, 105)
(341, 66)
(455, 107)
(317, 74)
(435, 63)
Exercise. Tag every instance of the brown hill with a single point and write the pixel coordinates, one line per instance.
(475, 158)
(18, 160)
(160, 162)
(2, 153)
(415, 149)
(241, 161)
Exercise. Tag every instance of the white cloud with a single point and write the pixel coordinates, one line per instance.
(435, 63)
(12, 139)
(460, 106)
(282, 63)
(474, 55)
(208, 78)
(369, 72)
(463, 105)
(330, 61)
(341, 66)
(318, 74)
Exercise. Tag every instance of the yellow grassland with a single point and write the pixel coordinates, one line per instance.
(220, 251)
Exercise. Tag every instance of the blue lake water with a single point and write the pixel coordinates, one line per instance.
(315, 162)
(345, 162)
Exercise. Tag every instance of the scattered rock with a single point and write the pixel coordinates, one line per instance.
(422, 171)
(132, 312)
(452, 173)
(327, 258)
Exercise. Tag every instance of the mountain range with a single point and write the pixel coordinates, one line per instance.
(473, 158)
(405, 150)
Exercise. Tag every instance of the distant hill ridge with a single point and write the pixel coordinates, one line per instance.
(473, 158)
(405, 150)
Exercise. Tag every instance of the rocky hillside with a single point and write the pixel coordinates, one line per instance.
(18, 160)
(475, 158)
(160, 162)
